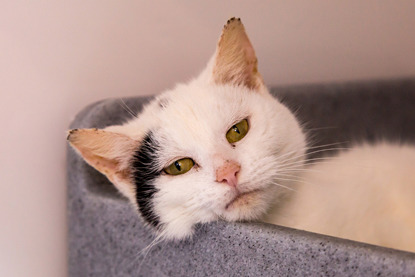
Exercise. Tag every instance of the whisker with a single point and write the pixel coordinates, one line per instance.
(278, 184)
(126, 108)
(304, 150)
(314, 152)
(294, 180)
(146, 250)
(288, 170)
(321, 128)
(298, 177)
(315, 161)
(307, 148)
(326, 145)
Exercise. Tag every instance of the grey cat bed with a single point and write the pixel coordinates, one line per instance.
(106, 235)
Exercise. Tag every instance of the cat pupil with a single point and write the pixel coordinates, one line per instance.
(177, 165)
(236, 129)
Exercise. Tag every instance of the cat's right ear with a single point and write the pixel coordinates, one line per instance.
(108, 152)
(235, 62)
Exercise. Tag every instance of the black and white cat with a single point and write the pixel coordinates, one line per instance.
(221, 147)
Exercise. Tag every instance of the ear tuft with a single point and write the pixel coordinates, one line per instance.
(70, 132)
(230, 20)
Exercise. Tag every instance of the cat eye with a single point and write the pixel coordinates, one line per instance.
(237, 131)
(180, 166)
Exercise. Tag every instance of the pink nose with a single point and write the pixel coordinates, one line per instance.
(227, 173)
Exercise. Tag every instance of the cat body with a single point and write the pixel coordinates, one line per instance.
(365, 194)
(221, 147)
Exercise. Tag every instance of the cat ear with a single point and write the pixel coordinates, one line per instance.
(109, 153)
(235, 61)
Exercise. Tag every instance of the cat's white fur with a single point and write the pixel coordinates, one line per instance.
(200, 123)
(366, 194)
(346, 196)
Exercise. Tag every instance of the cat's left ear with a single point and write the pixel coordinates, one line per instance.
(108, 152)
(235, 62)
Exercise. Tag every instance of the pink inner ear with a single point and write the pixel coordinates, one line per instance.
(106, 166)
(107, 152)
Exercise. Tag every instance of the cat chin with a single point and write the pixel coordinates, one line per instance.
(178, 230)
(245, 206)
(248, 205)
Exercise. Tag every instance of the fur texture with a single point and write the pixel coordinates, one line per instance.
(266, 166)
(365, 194)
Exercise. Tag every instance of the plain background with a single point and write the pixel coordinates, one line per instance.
(58, 56)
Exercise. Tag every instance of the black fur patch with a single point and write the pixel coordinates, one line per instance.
(145, 172)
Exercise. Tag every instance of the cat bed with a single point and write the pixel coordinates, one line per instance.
(107, 238)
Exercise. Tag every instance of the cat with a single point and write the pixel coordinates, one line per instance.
(222, 147)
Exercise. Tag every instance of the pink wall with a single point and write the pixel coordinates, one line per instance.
(58, 56)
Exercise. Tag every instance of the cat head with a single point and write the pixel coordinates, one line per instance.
(208, 149)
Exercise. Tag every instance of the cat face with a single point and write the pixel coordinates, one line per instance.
(205, 150)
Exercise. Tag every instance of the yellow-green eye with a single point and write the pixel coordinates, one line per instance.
(180, 166)
(237, 131)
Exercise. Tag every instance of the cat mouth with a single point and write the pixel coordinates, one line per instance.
(241, 198)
